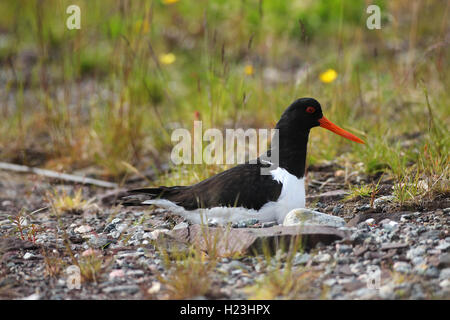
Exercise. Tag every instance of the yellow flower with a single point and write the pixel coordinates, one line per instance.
(167, 58)
(170, 1)
(328, 76)
(248, 70)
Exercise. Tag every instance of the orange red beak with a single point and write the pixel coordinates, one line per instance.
(327, 124)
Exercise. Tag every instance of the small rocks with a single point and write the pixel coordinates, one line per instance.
(301, 258)
(181, 225)
(445, 283)
(83, 229)
(443, 246)
(406, 217)
(154, 235)
(444, 261)
(383, 200)
(116, 274)
(246, 223)
(269, 224)
(402, 267)
(337, 209)
(155, 288)
(389, 225)
(342, 248)
(124, 289)
(415, 252)
(322, 257)
(28, 256)
(362, 208)
(445, 273)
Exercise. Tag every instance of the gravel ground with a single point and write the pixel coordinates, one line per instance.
(393, 252)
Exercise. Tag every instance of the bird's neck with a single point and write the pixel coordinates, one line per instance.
(292, 151)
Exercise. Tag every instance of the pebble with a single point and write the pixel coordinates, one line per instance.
(322, 257)
(154, 234)
(329, 282)
(445, 273)
(389, 225)
(182, 225)
(118, 273)
(131, 289)
(269, 224)
(364, 207)
(98, 241)
(342, 248)
(337, 209)
(300, 258)
(415, 252)
(444, 260)
(28, 256)
(445, 283)
(402, 267)
(83, 229)
(443, 246)
(382, 200)
(156, 286)
(405, 217)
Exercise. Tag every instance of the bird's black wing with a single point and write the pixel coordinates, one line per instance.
(240, 186)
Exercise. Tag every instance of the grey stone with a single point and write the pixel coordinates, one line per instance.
(322, 257)
(28, 256)
(444, 260)
(300, 258)
(443, 246)
(389, 225)
(269, 224)
(364, 207)
(181, 225)
(402, 267)
(329, 282)
(337, 208)
(417, 251)
(382, 200)
(342, 248)
(306, 217)
(445, 274)
(124, 288)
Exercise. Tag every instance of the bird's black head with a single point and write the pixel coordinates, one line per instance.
(304, 114)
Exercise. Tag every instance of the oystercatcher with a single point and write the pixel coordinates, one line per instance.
(242, 192)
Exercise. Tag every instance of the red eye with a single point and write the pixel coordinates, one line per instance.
(310, 109)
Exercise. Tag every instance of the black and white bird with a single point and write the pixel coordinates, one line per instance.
(242, 192)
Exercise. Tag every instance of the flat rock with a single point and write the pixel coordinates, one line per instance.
(307, 217)
(225, 241)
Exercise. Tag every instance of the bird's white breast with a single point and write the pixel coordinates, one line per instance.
(292, 194)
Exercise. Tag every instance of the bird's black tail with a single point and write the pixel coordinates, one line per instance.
(135, 197)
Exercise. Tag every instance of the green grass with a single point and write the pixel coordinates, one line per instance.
(102, 96)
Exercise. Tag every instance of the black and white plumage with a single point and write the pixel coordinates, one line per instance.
(242, 192)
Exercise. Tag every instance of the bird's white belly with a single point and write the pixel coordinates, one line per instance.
(292, 196)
